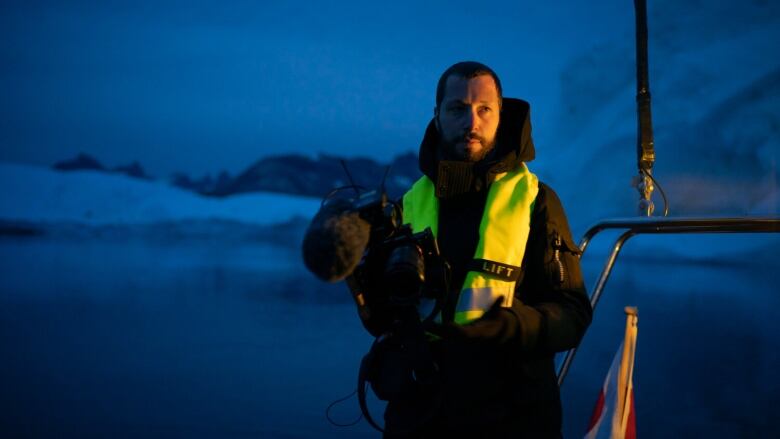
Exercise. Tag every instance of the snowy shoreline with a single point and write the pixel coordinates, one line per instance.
(39, 198)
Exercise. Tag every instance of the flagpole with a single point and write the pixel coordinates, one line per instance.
(627, 367)
(615, 405)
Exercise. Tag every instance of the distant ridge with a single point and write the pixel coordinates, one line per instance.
(300, 175)
(292, 174)
(79, 163)
(85, 162)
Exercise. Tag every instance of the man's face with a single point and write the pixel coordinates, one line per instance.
(468, 117)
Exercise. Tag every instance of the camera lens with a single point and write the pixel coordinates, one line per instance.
(405, 271)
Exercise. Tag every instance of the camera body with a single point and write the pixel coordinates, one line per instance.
(398, 269)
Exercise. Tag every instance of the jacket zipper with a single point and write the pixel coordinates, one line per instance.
(557, 245)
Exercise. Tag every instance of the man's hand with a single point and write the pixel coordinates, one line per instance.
(498, 325)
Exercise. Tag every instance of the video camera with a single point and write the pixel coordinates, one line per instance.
(390, 272)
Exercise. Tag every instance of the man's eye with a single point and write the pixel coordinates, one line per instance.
(485, 109)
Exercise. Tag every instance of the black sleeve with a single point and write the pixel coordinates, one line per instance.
(552, 307)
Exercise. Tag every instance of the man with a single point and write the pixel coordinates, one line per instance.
(517, 295)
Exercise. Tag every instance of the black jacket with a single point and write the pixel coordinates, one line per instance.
(497, 374)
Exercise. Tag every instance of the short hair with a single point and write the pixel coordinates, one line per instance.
(467, 70)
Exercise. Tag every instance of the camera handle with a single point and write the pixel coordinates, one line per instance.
(409, 334)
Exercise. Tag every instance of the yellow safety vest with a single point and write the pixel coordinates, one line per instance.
(503, 234)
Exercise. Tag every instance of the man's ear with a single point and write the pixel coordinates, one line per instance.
(436, 118)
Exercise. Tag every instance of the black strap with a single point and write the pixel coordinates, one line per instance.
(506, 272)
(365, 366)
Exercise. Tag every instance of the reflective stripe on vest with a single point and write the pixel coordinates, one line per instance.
(503, 233)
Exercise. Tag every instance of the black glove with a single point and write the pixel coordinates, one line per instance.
(498, 325)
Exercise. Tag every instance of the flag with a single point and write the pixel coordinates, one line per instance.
(614, 416)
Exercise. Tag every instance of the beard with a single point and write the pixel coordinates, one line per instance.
(457, 148)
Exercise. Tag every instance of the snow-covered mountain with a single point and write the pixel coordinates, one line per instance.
(40, 195)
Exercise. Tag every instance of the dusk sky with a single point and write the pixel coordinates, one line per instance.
(200, 86)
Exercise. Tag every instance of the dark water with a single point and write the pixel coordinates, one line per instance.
(708, 345)
(130, 338)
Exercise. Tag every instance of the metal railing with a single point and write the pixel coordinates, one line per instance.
(639, 226)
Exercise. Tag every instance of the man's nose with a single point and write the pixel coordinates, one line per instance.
(472, 120)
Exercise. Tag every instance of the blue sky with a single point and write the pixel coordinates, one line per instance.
(203, 86)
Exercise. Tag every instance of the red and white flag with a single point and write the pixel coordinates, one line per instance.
(614, 416)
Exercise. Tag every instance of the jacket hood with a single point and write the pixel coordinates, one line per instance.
(514, 145)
